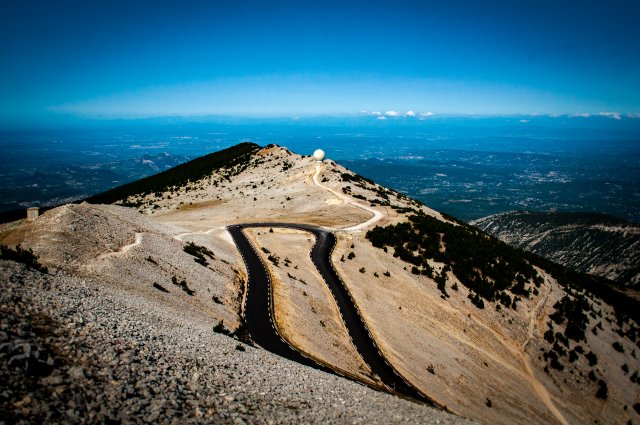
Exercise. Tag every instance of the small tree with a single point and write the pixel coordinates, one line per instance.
(603, 391)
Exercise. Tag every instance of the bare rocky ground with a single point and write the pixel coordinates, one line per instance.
(146, 350)
(73, 351)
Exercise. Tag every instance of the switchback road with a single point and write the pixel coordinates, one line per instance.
(258, 308)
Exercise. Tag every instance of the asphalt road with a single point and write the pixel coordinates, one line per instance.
(258, 309)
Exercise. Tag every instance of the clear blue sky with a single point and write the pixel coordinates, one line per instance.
(126, 59)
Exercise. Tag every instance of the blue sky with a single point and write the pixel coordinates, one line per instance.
(117, 59)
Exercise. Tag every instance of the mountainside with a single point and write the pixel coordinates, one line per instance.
(475, 326)
(598, 244)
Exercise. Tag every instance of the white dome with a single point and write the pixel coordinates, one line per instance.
(318, 155)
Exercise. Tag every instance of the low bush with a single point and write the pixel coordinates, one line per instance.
(220, 329)
(485, 265)
(618, 347)
(199, 253)
(603, 390)
(182, 285)
(24, 256)
(274, 259)
(591, 358)
(159, 287)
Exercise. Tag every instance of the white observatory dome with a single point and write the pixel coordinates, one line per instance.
(318, 155)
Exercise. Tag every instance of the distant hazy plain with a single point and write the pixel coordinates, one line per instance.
(468, 168)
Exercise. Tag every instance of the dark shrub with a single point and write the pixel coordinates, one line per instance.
(24, 256)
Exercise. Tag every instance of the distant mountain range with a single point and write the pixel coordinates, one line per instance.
(598, 244)
(57, 185)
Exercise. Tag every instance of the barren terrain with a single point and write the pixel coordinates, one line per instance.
(485, 364)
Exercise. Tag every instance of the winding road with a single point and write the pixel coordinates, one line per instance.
(258, 308)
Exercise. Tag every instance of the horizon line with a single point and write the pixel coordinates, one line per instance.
(379, 118)
(390, 113)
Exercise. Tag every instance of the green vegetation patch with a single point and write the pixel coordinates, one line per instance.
(159, 287)
(355, 178)
(625, 307)
(573, 311)
(221, 329)
(182, 284)
(489, 268)
(199, 252)
(496, 272)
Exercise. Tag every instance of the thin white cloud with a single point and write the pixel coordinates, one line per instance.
(375, 113)
(410, 114)
(382, 117)
(426, 114)
(524, 121)
(391, 113)
(613, 115)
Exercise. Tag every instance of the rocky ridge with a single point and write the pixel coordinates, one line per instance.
(590, 243)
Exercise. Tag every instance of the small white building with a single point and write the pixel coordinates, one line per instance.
(32, 213)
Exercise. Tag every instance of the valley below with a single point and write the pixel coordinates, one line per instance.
(597, 244)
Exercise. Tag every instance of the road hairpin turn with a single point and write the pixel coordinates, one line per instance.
(259, 312)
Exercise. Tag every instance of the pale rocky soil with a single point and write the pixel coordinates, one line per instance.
(130, 252)
(475, 355)
(77, 350)
(470, 359)
(279, 196)
(479, 355)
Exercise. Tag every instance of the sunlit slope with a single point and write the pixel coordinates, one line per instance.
(486, 330)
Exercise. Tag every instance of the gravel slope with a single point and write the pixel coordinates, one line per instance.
(74, 350)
